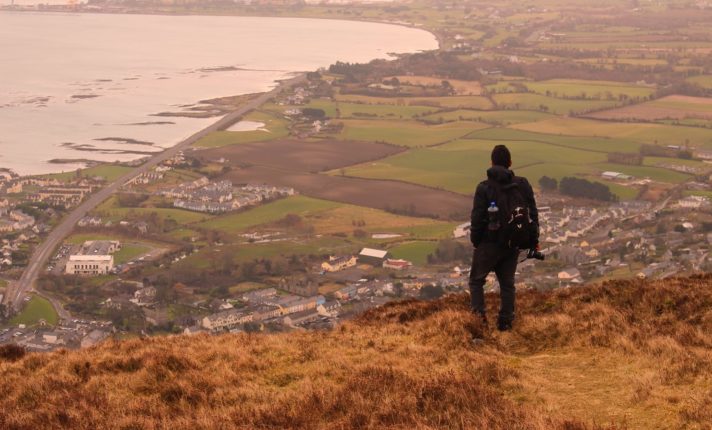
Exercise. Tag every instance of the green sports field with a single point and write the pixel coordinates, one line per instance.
(415, 252)
(35, 310)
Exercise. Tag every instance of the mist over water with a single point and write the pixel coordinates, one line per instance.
(69, 83)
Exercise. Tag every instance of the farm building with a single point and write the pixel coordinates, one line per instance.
(374, 257)
(396, 264)
(338, 263)
(616, 176)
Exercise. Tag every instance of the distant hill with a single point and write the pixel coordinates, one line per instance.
(626, 354)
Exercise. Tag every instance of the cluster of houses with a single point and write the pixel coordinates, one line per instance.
(574, 223)
(298, 97)
(68, 334)
(54, 192)
(202, 195)
(148, 177)
(693, 202)
(177, 160)
(14, 220)
(266, 305)
(96, 221)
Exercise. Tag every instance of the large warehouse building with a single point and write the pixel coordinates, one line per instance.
(90, 264)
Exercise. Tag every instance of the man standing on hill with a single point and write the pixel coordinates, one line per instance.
(504, 221)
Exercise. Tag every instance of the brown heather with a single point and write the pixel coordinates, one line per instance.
(626, 354)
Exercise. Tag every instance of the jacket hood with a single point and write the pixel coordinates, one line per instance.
(500, 174)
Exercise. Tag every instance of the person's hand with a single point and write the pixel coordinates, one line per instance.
(534, 253)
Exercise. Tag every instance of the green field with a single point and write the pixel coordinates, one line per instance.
(601, 90)
(691, 122)
(129, 251)
(356, 110)
(183, 234)
(130, 248)
(237, 222)
(403, 133)
(501, 117)
(348, 218)
(631, 61)
(654, 173)
(344, 109)
(209, 257)
(640, 132)
(537, 102)
(109, 172)
(686, 105)
(700, 193)
(415, 252)
(594, 144)
(326, 105)
(36, 309)
(656, 161)
(458, 166)
(705, 81)
(274, 128)
(467, 102)
(111, 212)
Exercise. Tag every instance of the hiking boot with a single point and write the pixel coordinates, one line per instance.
(504, 325)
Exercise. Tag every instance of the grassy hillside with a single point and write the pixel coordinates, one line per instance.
(628, 354)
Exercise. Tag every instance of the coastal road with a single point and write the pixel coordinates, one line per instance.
(42, 253)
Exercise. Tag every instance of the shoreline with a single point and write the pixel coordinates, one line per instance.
(52, 9)
(215, 102)
(17, 290)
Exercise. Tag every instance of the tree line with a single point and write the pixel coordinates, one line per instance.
(578, 187)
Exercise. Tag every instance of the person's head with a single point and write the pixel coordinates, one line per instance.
(501, 156)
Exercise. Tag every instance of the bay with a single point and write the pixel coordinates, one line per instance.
(89, 86)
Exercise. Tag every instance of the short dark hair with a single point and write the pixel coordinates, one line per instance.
(501, 156)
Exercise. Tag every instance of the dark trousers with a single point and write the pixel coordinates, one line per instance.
(503, 261)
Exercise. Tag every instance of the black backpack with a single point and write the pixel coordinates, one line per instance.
(515, 224)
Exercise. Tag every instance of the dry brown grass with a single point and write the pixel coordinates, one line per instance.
(619, 355)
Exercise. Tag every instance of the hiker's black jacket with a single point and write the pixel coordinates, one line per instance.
(484, 195)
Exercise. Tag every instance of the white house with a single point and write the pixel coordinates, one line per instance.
(572, 275)
(461, 230)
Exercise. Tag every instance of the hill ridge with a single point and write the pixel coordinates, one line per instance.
(622, 354)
